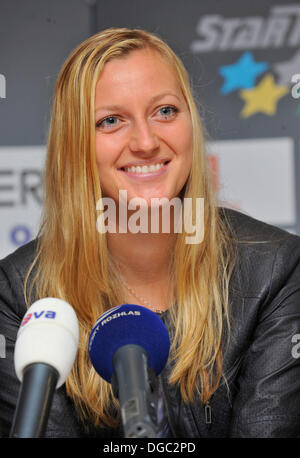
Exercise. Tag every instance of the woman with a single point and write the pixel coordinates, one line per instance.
(124, 119)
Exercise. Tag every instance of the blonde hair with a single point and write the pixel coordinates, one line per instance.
(72, 259)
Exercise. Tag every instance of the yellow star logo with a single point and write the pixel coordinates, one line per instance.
(263, 98)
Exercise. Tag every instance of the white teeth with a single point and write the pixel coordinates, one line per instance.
(144, 168)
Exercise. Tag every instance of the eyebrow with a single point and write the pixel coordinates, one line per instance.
(152, 100)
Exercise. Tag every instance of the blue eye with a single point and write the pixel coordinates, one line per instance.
(168, 111)
(110, 121)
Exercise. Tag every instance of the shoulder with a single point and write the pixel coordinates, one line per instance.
(13, 270)
(21, 258)
(266, 256)
(16, 264)
(248, 229)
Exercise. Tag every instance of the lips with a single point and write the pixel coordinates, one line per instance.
(144, 167)
(145, 171)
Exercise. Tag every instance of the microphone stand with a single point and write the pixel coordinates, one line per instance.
(34, 401)
(133, 384)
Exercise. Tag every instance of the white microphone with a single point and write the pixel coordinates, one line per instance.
(45, 351)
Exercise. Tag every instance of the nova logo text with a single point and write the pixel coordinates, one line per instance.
(36, 315)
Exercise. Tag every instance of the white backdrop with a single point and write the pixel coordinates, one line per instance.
(20, 194)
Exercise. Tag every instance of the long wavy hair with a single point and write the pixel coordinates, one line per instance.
(72, 260)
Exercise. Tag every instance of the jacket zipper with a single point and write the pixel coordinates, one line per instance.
(207, 413)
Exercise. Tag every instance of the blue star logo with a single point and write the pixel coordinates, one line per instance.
(242, 74)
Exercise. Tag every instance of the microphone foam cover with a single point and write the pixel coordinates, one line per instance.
(123, 325)
(49, 334)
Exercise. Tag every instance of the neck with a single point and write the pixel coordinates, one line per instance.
(142, 256)
(144, 263)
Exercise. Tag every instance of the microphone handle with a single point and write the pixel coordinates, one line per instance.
(132, 386)
(34, 401)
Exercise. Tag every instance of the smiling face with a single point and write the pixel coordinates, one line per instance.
(143, 128)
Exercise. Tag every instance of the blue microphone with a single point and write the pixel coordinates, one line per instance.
(128, 347)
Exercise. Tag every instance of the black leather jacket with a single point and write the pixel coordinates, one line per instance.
(262, 369)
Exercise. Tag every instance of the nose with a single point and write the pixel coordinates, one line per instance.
(143, 140)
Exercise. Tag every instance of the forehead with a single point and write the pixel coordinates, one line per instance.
(144, 70)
